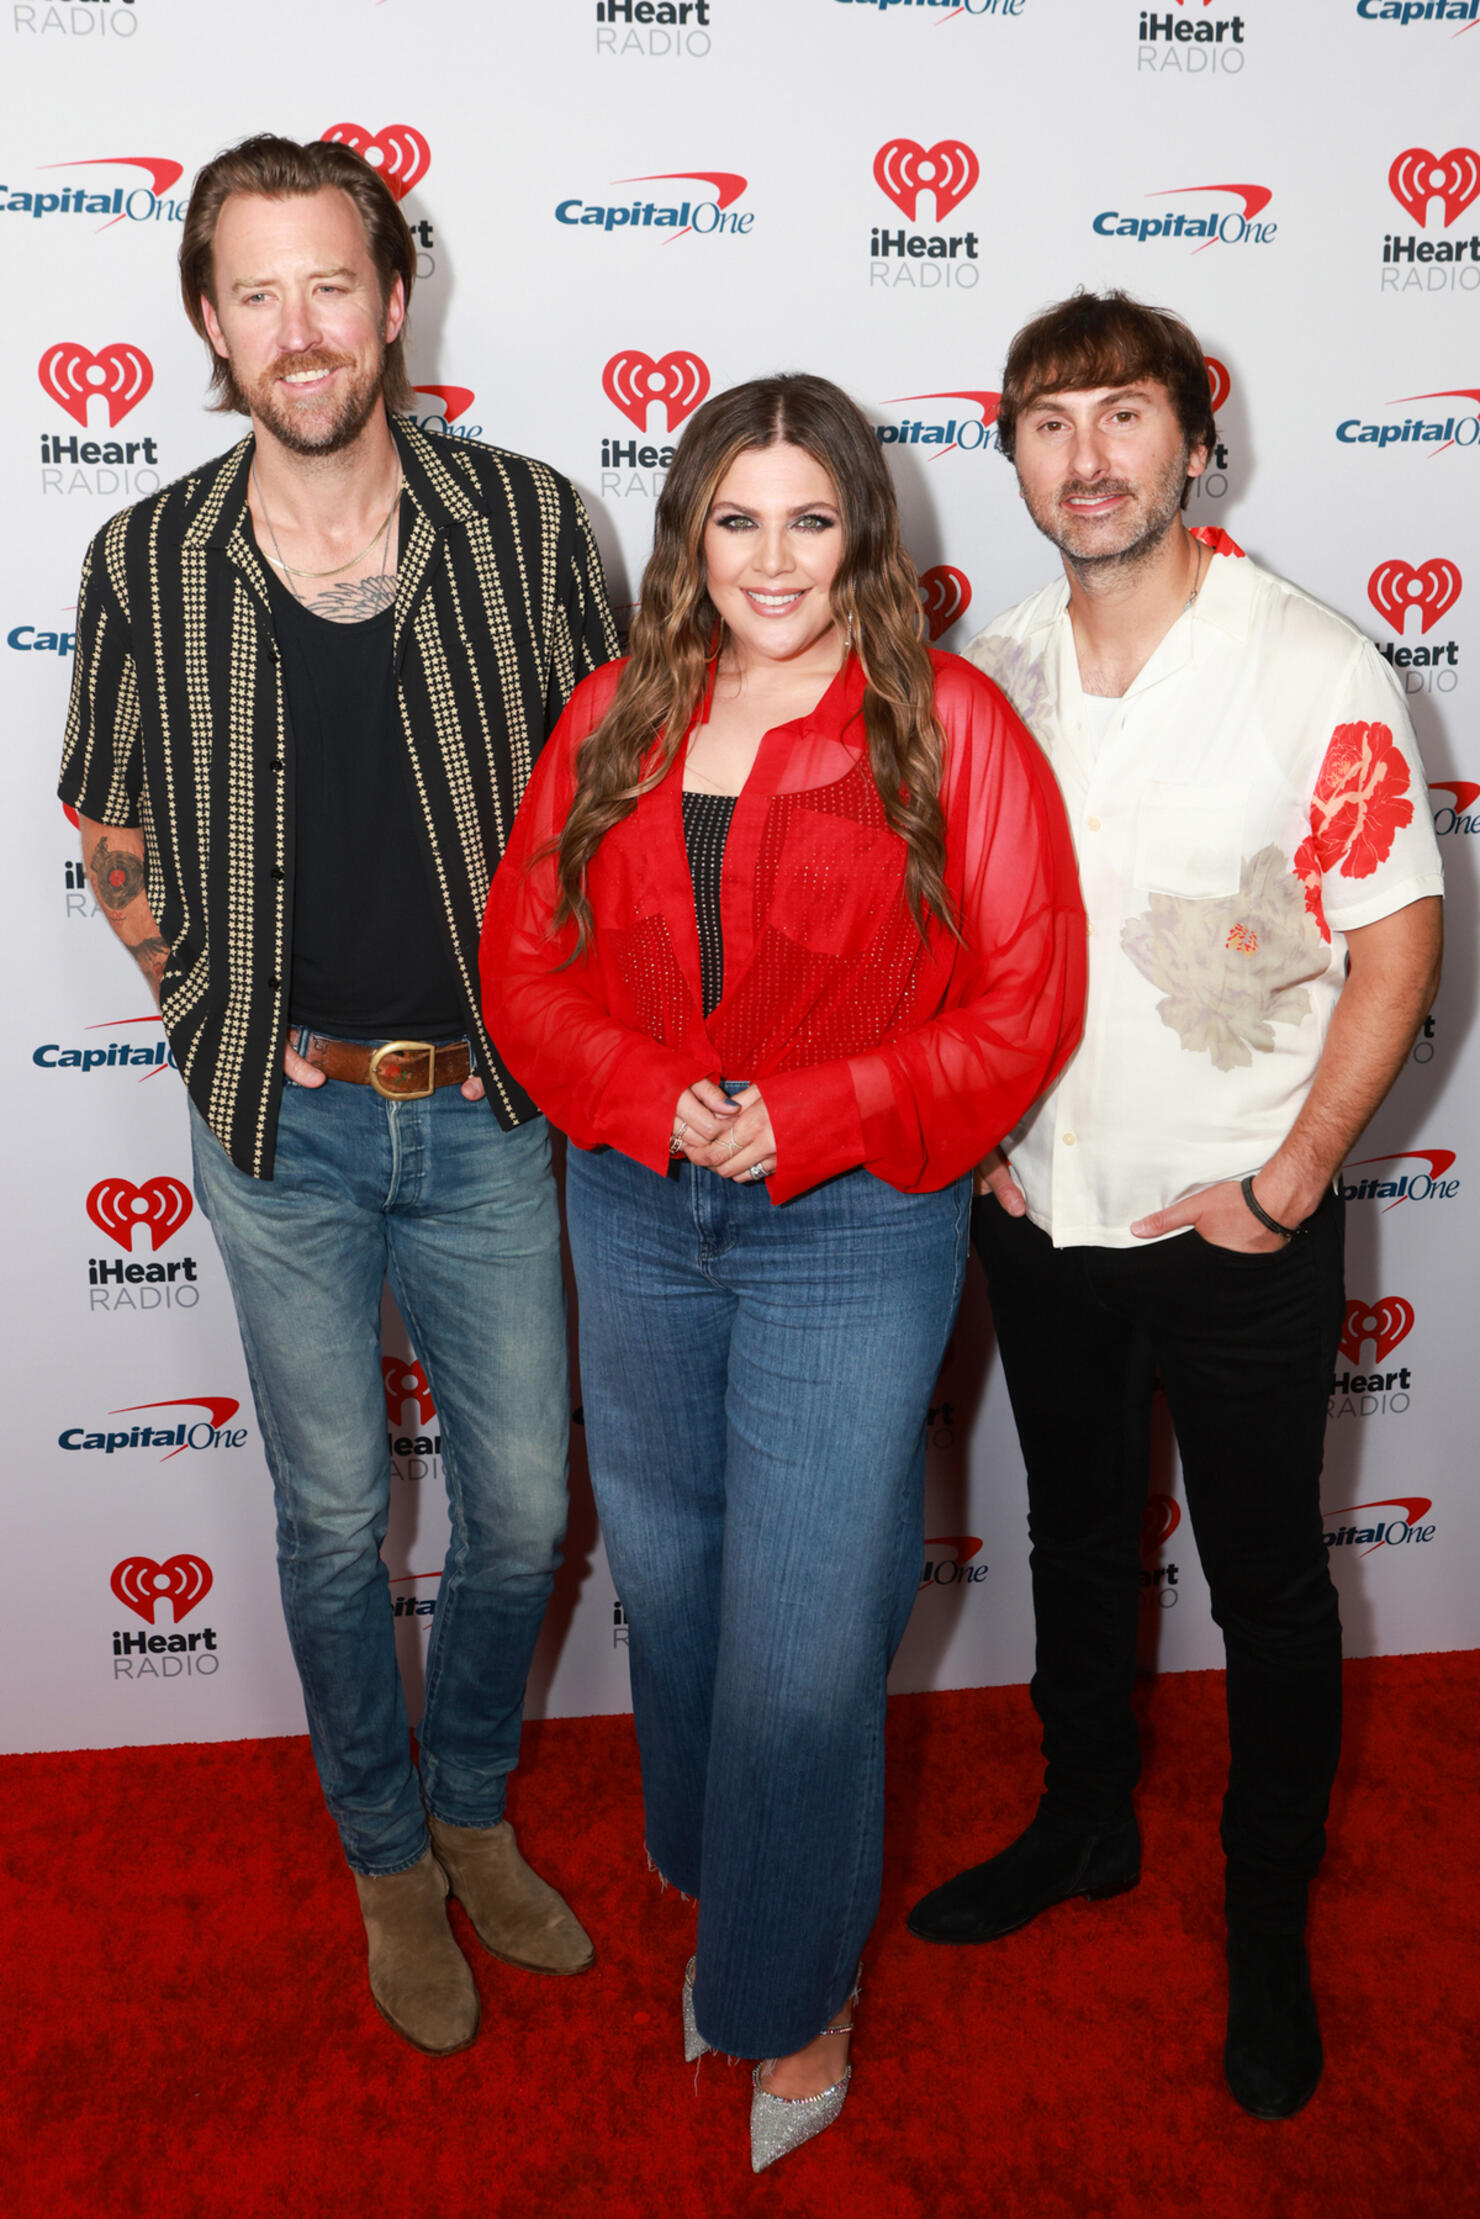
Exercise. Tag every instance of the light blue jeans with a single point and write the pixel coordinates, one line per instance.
(756, 1381)
(462, 1218)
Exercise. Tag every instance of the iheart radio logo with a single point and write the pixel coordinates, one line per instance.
(946, 594)
(116, 1206)
(406, 1382)
(140, 1584)
(401, 154)
(1396, 587)
(632, 381)
(456, 399)
(1465, 794)
(1159, 1521)
(905, 169)
(1384, 1323)
(1417, 177)
(1219, 382)
(71, 376)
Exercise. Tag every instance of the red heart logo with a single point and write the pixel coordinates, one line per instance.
(1396, 587)
(116, 1206)
(121, 373)
(140, 1583)
(400, 153)
(1219, 381)
(633, 381)
(1383, 1323)
(1417, 175)
(1159, 1521)
(905, 169)
(946, 593)
(1465, 793)
(405, 1382)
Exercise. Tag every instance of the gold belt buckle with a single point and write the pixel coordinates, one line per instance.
(401, 1048)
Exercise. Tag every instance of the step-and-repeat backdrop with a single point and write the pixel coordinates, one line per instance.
(621, 205)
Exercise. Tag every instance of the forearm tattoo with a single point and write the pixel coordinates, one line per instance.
(117, 875)
(151, 956)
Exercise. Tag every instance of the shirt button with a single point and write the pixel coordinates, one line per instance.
(276, 875)
(275, 980)
(1067, 1138)
(277, 763)
(1093, 823)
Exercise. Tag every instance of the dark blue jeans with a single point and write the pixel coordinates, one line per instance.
(1245, 1346)
(462, 1218)
(756, 1381)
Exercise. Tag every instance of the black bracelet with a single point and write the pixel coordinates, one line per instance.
(1286, 1232)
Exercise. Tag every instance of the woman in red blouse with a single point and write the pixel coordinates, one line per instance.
(787, 936)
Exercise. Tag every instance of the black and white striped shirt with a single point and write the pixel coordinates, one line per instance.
(178, 725)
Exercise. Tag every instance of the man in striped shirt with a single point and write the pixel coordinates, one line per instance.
(312, 679)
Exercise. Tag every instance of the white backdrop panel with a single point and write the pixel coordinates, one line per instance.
(878, 192)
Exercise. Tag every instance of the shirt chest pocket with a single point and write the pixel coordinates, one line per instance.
(1189, 838)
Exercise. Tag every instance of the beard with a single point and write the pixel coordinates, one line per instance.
(319, 426)
(1121, 542)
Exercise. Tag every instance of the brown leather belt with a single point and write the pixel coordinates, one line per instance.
(401, 1070)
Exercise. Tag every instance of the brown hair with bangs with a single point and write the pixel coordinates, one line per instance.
(1095, 339)
(283, 169)
(677, 636)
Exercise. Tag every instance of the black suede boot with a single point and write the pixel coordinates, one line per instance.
(1054, 1859)
(1273, 2055)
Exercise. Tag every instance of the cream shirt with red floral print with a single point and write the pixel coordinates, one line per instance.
(1256, 794)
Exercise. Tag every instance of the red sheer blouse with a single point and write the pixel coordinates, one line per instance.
(871, 1046)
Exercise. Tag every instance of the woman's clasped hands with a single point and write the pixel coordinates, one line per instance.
(730, 1136)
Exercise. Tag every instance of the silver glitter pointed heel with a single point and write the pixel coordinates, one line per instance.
(781, 2124)
(694, 2044)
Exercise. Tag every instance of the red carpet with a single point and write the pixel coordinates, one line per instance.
(188, 2035)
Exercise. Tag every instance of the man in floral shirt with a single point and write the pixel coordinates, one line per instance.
(1262, 883)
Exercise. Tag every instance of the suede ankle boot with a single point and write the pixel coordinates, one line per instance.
(514, 1913)
(419, 1978)
(1053, 1860)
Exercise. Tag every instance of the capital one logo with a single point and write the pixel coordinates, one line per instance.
(633, 381)
(161, 1204)
(965, 431)
(1466, 793)
(141, 1585)
(953, 1567)
(1159, 1521)
(405, 1382)
(1432, 588)
(398, 152)
(71, 376)
(1219, 382)
(1418, 177)
(1384, 1323)
(456, 399)
(904, 169)
(1433, 1184)
(1386, 1533)
(945, 593)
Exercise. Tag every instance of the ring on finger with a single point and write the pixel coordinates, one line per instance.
(734, 1140)
(675, 1138)
(759, 1171)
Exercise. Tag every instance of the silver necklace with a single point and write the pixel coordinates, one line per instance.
(289, 573)
(1197, 579)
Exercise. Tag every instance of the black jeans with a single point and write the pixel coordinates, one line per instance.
(1245, 1347)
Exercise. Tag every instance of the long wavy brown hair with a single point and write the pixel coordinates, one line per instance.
(875, 597)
